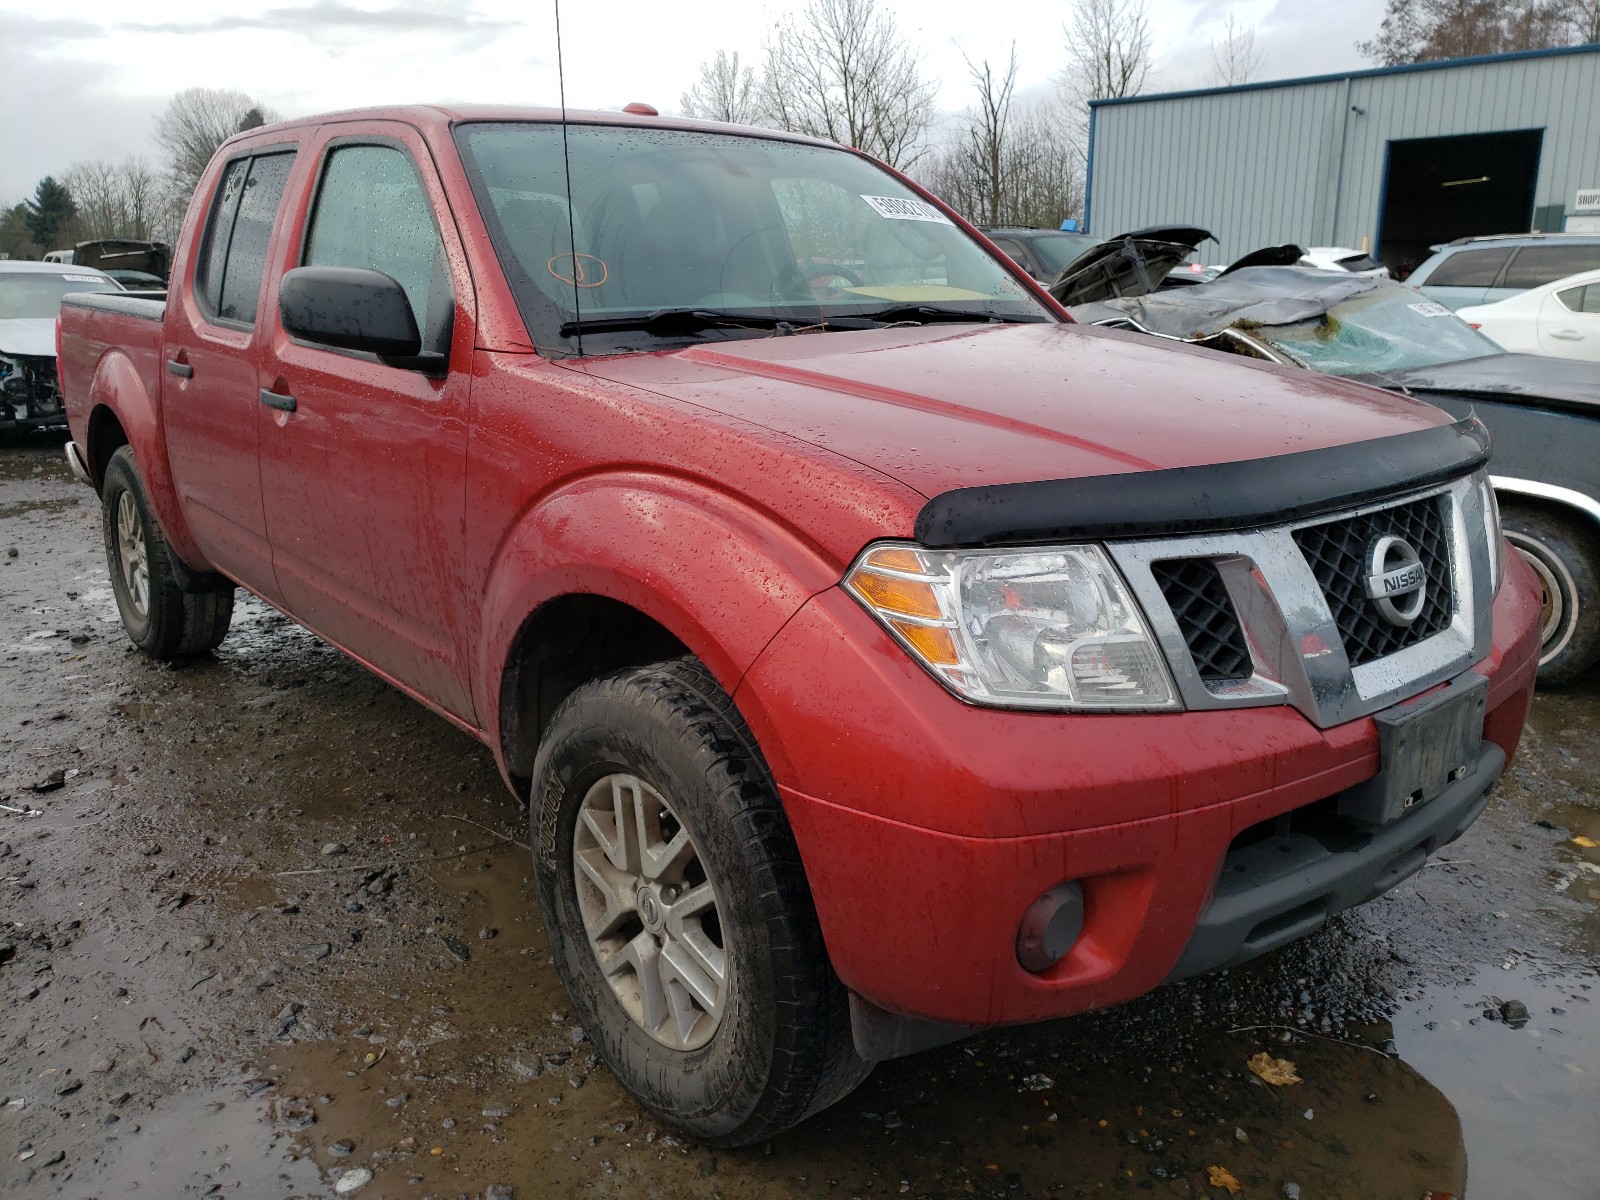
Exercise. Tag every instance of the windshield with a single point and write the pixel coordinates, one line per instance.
(1056, 250)
(681, 220)
(1388, 329)
(23, 296)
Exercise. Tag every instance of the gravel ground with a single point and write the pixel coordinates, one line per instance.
(268, 931)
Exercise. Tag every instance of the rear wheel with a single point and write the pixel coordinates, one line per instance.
(158, 616)
(678, 912)
(1565, 557)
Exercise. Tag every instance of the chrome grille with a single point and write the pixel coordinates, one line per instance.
(1194, 591)
(1337, 553)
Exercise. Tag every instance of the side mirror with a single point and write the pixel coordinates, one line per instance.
(350, 308)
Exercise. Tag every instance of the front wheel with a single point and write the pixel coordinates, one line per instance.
(678, 912)
(1565, 557)
(158, 616)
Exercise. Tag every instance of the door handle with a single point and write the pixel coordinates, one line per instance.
(277, 400)
(181, 369)
(1566, 335)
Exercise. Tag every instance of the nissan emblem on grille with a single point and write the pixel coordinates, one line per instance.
(1396, 582)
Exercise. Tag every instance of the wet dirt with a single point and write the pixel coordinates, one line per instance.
(271, 924)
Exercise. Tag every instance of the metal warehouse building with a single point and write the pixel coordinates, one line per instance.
(1390, 160)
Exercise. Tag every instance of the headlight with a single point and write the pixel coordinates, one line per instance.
(1048, 628)
(1495, 533)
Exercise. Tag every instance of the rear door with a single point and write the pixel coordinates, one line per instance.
(211, 359)
(364, 477)
(1569, 323)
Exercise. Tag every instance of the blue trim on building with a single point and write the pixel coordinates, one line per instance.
(1372, 73)
(1088, 174)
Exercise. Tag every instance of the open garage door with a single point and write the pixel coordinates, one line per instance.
(1442, 188)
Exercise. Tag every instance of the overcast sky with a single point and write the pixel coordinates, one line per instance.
(85, 79)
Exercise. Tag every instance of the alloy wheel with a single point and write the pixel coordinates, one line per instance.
(650, 912)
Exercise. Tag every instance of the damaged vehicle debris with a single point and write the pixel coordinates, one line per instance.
(30, 301)
(1543, 413)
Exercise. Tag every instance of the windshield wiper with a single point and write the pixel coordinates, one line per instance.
(667, 321)
(924, 314)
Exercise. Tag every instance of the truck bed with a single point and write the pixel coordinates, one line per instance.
(99, 326)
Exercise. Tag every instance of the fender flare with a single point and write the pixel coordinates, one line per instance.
(117, 387)
(720, 575)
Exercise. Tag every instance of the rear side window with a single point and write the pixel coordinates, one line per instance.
(1584, 299)
(237, 234)
(372, 212)
(1535, 266)
(1469, 268)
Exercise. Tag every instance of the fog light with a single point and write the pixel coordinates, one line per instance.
(1050, 927)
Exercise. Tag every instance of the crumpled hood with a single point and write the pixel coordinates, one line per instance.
(28, 335)
(1564, 381)
(941, 407)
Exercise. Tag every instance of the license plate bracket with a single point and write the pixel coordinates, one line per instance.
(1425, 746)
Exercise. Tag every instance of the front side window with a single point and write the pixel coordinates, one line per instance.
(1585, 299)
(1469, 268)
(755, 231)
(238, 233)
(371, 212)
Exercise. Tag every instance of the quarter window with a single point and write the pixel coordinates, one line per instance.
(237, 235)
(372, 212)
(1535, 266)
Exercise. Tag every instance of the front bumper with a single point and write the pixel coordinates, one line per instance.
(927, 827)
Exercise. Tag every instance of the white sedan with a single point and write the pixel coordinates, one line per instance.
(1560, 319)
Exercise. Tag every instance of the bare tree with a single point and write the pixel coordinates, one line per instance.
(975, 166)
(198, 120)
(1108, 52)
(1235, 58)
(840, 70)
(1019, 167)
(119, 200)
(1584, 17)
(725, 92)
(1427, 30)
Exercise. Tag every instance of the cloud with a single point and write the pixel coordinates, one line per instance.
(327, 17)
(21, 32)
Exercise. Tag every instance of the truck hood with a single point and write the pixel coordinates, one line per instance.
(937, 407)
(28, 335)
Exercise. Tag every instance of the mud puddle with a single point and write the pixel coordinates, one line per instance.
(268, 882)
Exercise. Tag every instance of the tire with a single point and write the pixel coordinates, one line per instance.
(158, 616)
(1565, 555)
(773, 1044)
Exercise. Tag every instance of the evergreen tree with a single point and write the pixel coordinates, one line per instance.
(49, 212)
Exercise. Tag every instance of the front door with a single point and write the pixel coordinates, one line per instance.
(363, 464)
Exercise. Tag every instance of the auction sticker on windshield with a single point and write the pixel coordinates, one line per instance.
(902, 208)
(1429, 309)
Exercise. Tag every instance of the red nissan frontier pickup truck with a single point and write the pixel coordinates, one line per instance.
(880, 656)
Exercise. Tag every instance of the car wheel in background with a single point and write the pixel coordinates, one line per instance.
(159, 617)
(678, 912)
(1565, 556)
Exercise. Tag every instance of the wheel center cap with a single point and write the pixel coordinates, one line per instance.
(650, 909)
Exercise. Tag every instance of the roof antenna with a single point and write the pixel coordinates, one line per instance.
(566, 160)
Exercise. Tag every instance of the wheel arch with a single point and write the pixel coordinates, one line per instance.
(1549, 498)
(120, 406)
(624, 569)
